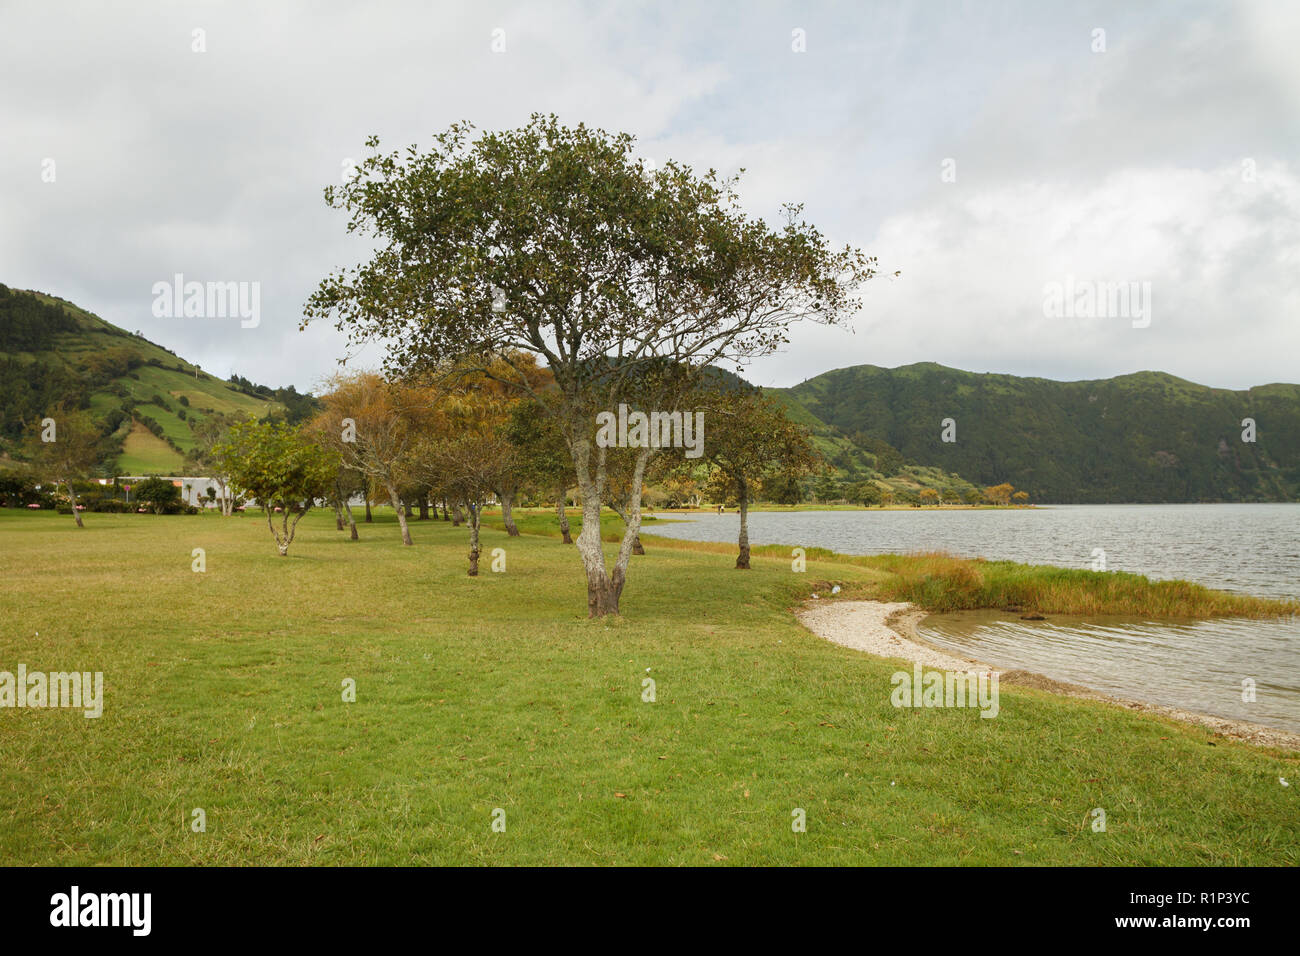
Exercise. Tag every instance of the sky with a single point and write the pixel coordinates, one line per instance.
(1002, 157)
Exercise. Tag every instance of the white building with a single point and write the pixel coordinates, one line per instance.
(194, 490)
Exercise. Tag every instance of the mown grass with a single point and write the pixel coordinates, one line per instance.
(222, 692)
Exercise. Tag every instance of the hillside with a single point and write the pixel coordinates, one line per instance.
(1145, 437)
(144, 397)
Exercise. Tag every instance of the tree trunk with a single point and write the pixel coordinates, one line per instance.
(424, 507)
(456, 515)
(369, 517)
(445, 516)
(338, 515)
(636, 537)
(507, 506)
(742, 561)
(224, 498)
(72, 496)
(474, 516)
(604, 589)
(410, 511)
(563, 515)
(401, 514)
(352, 522)
(284, 537)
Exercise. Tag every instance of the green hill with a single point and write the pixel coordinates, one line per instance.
(1146, 437)
(144, 396)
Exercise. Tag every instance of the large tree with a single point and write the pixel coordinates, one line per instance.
(558, 242)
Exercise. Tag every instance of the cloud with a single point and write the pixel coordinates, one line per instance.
(1119, 165)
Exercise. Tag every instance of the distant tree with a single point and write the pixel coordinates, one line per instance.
(280, 468)
(374, 426)
(1020, 497)
(999, 494)
(973, 497)
(64, 448)
(929, 496)
(202, 459)
(543, 460)
(866, 493)
(783, 490)
(749, 438)
(826, 488)
(159, 494)
(469, 467)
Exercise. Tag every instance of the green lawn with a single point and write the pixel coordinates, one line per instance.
(223, 692)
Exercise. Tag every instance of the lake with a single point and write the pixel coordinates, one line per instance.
(1254, 549)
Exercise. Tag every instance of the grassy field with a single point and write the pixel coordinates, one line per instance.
(144, 453)
(223, 692)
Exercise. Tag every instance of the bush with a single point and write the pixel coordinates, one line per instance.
(184, 401)
(112, 506)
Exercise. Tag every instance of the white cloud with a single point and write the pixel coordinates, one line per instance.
(1119, 165)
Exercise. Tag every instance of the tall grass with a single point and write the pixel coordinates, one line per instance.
(943, 582)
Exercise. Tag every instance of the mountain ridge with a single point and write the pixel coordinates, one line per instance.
(1144, 436)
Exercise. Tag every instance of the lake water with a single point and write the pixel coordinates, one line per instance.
(1254, 549)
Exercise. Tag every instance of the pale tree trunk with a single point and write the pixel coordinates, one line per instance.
(563, 515)
(72, 496)
(604, 588)
(474, 510)
(507, 506)
(621, 511)
(224, 498)
(456, 515)
(284, 537)
(401, 515)
(742, 561)
(352, 522)
(338, 513)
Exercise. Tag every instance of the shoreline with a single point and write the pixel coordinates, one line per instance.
(889, 630)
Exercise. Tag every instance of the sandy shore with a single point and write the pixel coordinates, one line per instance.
(889, 630)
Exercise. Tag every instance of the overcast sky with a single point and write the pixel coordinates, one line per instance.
(1166, 151)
